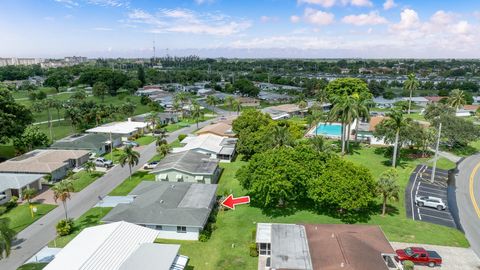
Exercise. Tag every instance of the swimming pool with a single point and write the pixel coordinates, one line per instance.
(327, 129)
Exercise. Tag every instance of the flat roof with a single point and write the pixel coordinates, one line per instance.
(84, 141)
(125, 127)
(208, 142)
(187, 161)
(151, 256)
(289, 247)
(17, 180)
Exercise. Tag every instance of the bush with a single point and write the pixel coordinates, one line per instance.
(253, 250)
(11, 203)
(64, 227)
(408, 265)
(3, 209)
(181, 137)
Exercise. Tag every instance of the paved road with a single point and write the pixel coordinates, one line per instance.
(40, 233)
(468, 198)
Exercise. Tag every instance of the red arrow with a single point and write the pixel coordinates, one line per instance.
(230, 202)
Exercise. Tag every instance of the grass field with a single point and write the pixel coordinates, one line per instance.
(129, 184)
(82, 179)
(145, 140)
(228, 246)
(90, 218)
(20, 216)
(7, 151)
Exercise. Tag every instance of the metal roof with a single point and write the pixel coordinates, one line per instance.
(187, 161)
(207, 142)
(151, 256)
(84, 141)
(17, 180)
(125, 127)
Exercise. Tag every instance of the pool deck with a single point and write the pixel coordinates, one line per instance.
(311, 132)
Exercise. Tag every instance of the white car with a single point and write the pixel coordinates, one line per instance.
(429, 201)
(150, 165)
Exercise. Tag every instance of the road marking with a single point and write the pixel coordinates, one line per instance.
(472, 195)
(412, 200)
(419, 216)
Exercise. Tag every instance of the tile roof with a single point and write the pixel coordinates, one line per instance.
(220, 129)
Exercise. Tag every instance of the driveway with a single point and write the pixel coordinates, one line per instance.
(454, 258)
(40, 233)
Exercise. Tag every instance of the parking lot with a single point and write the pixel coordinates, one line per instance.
(420, 185)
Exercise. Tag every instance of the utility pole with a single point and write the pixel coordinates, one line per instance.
(436, 153)
(111, 147)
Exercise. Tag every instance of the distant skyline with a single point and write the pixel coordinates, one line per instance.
(241, 28)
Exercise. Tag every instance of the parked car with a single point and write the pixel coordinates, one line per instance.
(150, 165)
(102, 162)
(392, 261)
(130, 143)
(419, 255)
(429, 201)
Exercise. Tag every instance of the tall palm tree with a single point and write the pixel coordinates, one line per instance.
(152, 118)
(229, 102)
(6, 237)
(395, 121)
(28, 194)
(343, 111)
(196, 112)
(163, 149)
(456, 99)
(161, 137)
(316, 117)
(129, 157)
(237, 106)
(411, 84)
(61, 191)
(182, 98)
(213, 101)
(281, 136)
(361, 105)
(388, 188)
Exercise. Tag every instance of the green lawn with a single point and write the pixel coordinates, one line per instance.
(145, 140)
(228, 246)
(186, 122)
(471, 149)
(60, 129)
(444, 164)
(20, 216)
(114, 155)
(7, 151)
(32, 266)
(129, 184)
(82, 179)
(90, 218)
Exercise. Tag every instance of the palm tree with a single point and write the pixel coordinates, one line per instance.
(152, 118)
(163, 149)
(237, 106)
(387, 187)
(213, 101)
(229, 102)
(61, 191)
(343, 111)
(182, 98)
(89, 167)
(361, 105)
(129, 157)
(176, 106)
(161, 137)
(28, 194)
(456, 99)
(197, 112)
(302, 104)
(395, 121)
(6, 237)
(281, 137)
(316, 117)
(319, 143)
(411, 84)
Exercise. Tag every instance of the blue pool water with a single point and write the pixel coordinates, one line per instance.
(332, 130)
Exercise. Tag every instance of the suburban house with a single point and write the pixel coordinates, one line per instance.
(12, 184)
(187, 166)
(366, 130)
(125, 129)
(284, 111)
(174, 210)
(420, 101)
(46, 161)
(384, 103)
(322, 247)
(219, 129)
(118, 246)
(95, 143)
(274, 97)
(161, 118)
(217, 147)
(467, 110)
(249, 101)
(434, 99)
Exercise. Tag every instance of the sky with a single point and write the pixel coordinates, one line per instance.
(241, 28)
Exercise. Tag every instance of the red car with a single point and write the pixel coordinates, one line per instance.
(419, 255)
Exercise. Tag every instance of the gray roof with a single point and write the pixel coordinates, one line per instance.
(289, 247)
(150, 256)
(187, 161)
(88, 141)
(166, 203)
(17, 180)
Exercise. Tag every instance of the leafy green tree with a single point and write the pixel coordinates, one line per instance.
(435, 110)
(132, 85)
(129, 157)
(31, 138)
(163, 149)
(79, 95)
(411, 84)
(387, 187)
(281, 136)
(6, 237)
(456, 131)
(100, 89)
(250, 127)
(14, 117)
(456, 99)
(246, 87)
(302, 105)
(57, 79)
(347, 87)
(342, 185)
(62, 191)
(141, 75)
(28, 194)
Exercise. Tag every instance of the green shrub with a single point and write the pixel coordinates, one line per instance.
(181, 137)
(254, 234)
(253, 250)
(11, 203)
(408, 265)
(3, 209)
(203, 237)
(64, 227)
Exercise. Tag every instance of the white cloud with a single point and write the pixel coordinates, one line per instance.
(408, 19)
(68, 3)
(461, 28)
(267, 19)
(372, 18)
(358, 3)
(476, 14)
(188, 21)
(323, 3)
(318, 17)
(108, 3)
(331, 3)
(441, 17)
(295, 19)
(389, 4)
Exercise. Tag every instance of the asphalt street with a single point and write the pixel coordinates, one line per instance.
(40, 233)
(468, 198)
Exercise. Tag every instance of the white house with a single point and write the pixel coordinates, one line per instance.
(125, 129)
(215, 146)
(12, 184)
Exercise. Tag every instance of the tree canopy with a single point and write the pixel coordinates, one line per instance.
(14, 117)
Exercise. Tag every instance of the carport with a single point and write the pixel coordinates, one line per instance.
(420, 185)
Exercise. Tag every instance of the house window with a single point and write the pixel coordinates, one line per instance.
(158, 227)
(264, 248)
(181, 229)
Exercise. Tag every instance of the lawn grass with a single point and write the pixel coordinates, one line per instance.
(20, 216)
(228, 246)
(7, 151)
(129, 184)
(82, 179)
(114, 155)
(444, 164)
(32, 266)
(145, 140)
(60, 129)
(90, 218)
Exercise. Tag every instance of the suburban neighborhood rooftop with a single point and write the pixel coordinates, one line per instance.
(187, 161)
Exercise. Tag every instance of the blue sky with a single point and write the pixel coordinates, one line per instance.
(241, 28)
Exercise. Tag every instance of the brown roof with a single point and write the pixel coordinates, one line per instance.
(41, 161)
(229, 119)
(374, 121)
(434, 98)
(220, 129)
(357, 247)
(471, 107)
(288, 108)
